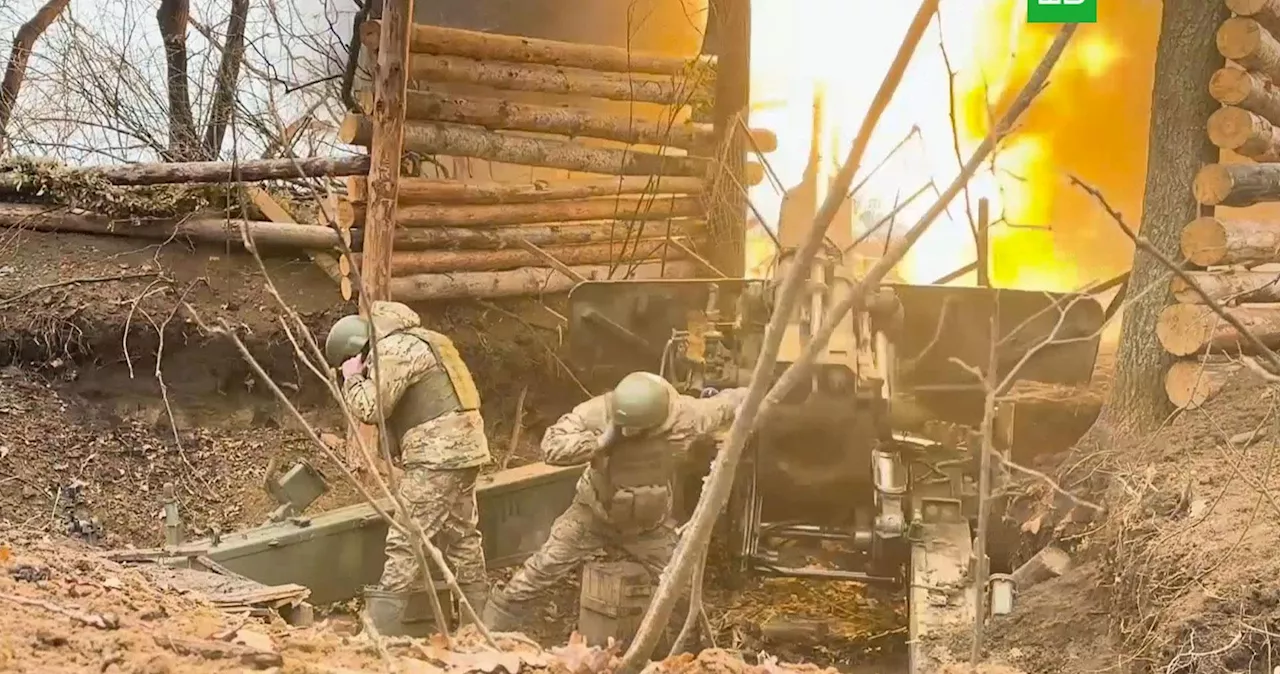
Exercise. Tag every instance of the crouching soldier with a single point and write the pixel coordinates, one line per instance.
(633, 438)
(432, 412)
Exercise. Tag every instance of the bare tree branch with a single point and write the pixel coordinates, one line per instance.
(224, 93)
(16, 70)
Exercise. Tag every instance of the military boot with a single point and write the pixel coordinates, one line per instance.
(400, 614)
(476, 594)
(499, 617)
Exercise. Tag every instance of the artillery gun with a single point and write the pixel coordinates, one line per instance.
(874, 455)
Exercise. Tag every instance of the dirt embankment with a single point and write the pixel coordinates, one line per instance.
(1180, 575)
(88, 420)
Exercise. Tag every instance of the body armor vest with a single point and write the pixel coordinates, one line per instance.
(446, 388)
(635, 486)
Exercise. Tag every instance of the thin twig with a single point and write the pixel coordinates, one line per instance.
(75, 281)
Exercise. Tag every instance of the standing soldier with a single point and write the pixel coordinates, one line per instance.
(432, 412)
(633, 438)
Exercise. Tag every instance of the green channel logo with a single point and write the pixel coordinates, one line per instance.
(1062, 11)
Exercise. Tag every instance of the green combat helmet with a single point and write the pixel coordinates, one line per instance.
(640, 401)
(347, 338)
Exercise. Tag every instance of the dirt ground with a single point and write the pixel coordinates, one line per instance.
(90, 427)
(1180, 576)
(67, 609)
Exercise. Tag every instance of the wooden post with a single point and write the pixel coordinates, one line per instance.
(390, 82)
(732, 38)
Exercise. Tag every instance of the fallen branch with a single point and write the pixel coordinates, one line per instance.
(102, 621)
(75, 281)
(220, 650)
(253, 170)
(40, 218)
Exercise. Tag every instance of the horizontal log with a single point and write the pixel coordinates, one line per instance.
(1050, 562)
(1237, 185)
(461, 215)
(467, 141)
(680, 90)
(1210, 242)
(498, 114)
(254, 170)
(1188, 329)
(1243, 89)
(1245, 134)
(1228, 285)
(404, 263)
(443, 191)
(557, 234)
(42, 218)
(1265, 12)
(524, 281)
(428, 39)
(1246, 42)
(1192, 383)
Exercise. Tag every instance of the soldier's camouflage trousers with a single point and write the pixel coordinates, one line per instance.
(443, 503)
(576, 535)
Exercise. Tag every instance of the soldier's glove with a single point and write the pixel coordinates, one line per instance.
(352, 366)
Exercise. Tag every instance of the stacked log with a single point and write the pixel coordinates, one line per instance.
(1224, 252)
(641, 181)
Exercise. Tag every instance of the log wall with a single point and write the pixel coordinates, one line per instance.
(526, 156)
(1232, 253)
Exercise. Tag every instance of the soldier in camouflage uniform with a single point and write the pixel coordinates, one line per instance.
(432, 412)
(633, 439)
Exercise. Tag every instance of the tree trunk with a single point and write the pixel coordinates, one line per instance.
(480, 238)
(1187, 329)
(728, 217)
(16, 70)
(254, 170)
(525, 281)
(426, 69)
(1238, 185)
(1210, 242)
(1265, 12)
(464, 141)
(1180, 103)
(455, 215)
(1245, 134)
(1191, 383)
(405, 263)
(1231, 285)
(1246, 42)
(437, 191)
(498, 114)
(43, 219)
(224, 93)
(1243, 89)
(427, 39)
(184, 144)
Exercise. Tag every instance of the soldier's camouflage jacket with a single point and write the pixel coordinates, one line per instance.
(630, 485)
(432, 405)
